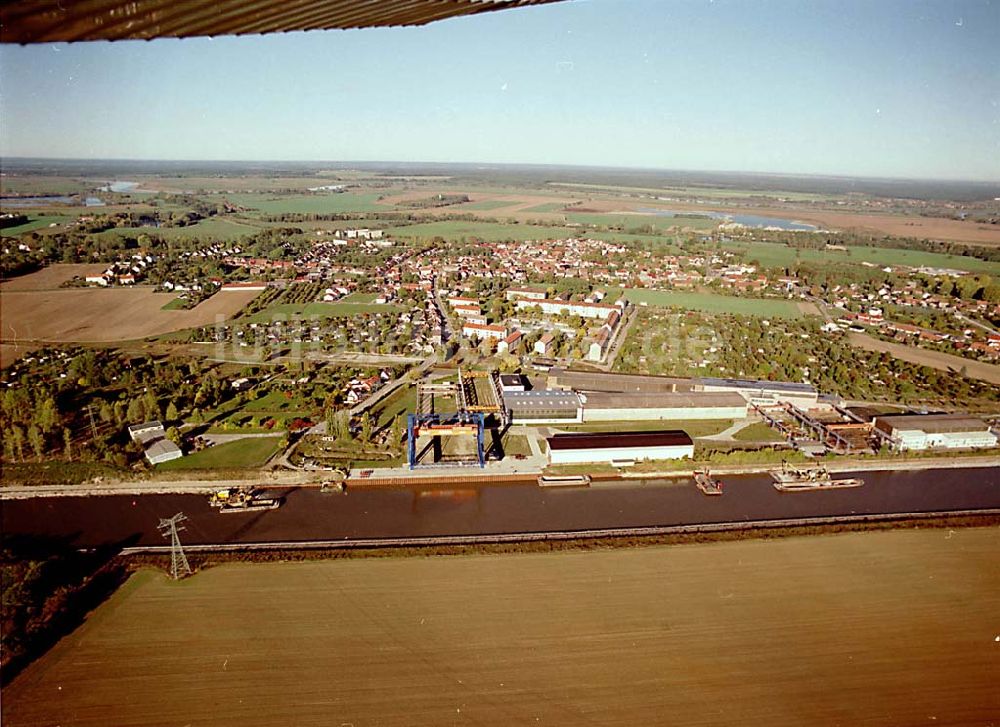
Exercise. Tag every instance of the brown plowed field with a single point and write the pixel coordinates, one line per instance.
(925, 357)
(879, 628)
(52, 277)
(99, 315)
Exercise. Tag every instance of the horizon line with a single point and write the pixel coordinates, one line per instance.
(817, 175)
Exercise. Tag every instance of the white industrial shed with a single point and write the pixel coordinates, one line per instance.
(543, 406)
(163, 450)
(643, 406)
(619, 447)
(937, 431)
(764, 393)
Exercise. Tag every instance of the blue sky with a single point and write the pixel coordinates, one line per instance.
(868, 87)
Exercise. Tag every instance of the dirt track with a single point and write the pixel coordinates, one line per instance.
(882, 628)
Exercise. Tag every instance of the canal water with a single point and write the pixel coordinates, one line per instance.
(372, 513)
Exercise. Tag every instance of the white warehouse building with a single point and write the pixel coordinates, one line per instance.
(650, 406)
(619, 447)
(764, 393)
(937, 431)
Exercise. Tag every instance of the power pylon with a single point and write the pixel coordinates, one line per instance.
(170, 528)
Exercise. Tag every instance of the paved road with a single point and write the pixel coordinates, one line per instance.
(616, 346)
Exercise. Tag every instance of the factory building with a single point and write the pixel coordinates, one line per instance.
(936, 431)
(543, 406)
(764, 393)
(512, 382)
(596, 381)
(619, 448)
(646, 406)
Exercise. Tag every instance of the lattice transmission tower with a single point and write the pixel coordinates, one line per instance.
(170, 528)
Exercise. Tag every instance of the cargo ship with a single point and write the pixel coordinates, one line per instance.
(237, 499)
(806, 479)
(706, 483)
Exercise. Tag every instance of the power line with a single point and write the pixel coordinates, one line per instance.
(170, 528)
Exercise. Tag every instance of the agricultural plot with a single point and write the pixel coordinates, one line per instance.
(35, 222)
(222, 184)
(881, 628)
(704, 192)
(548, 207)
(245, 453)
(99, 315)
(715, 303)
(51, 277)
(212, 228)
(310, 204)
(659, 222)
(318, 310)
(772, 255)
(490, 204)
(41, 184)
(491, 231)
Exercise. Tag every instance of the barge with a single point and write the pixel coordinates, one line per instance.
(564, 480)
(807, 479)
(237, 499)
(706, 483)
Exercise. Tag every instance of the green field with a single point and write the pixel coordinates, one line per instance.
(660, 222)
(455, 229)
(35, 222)
(276, 402)
(356, 298)
(175, 304)
(703, 192)
(715, 303)
(240, 454)
(548, 207)
(776, 255)
(758, 432)
(490, 204)
(494, 231)
(402, 402)
(212, 228)
(318, 309)
(310, 204)
(516, 445)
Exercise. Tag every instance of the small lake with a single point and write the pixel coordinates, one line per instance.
(748, 220)
(118, 186)
(93, 202)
